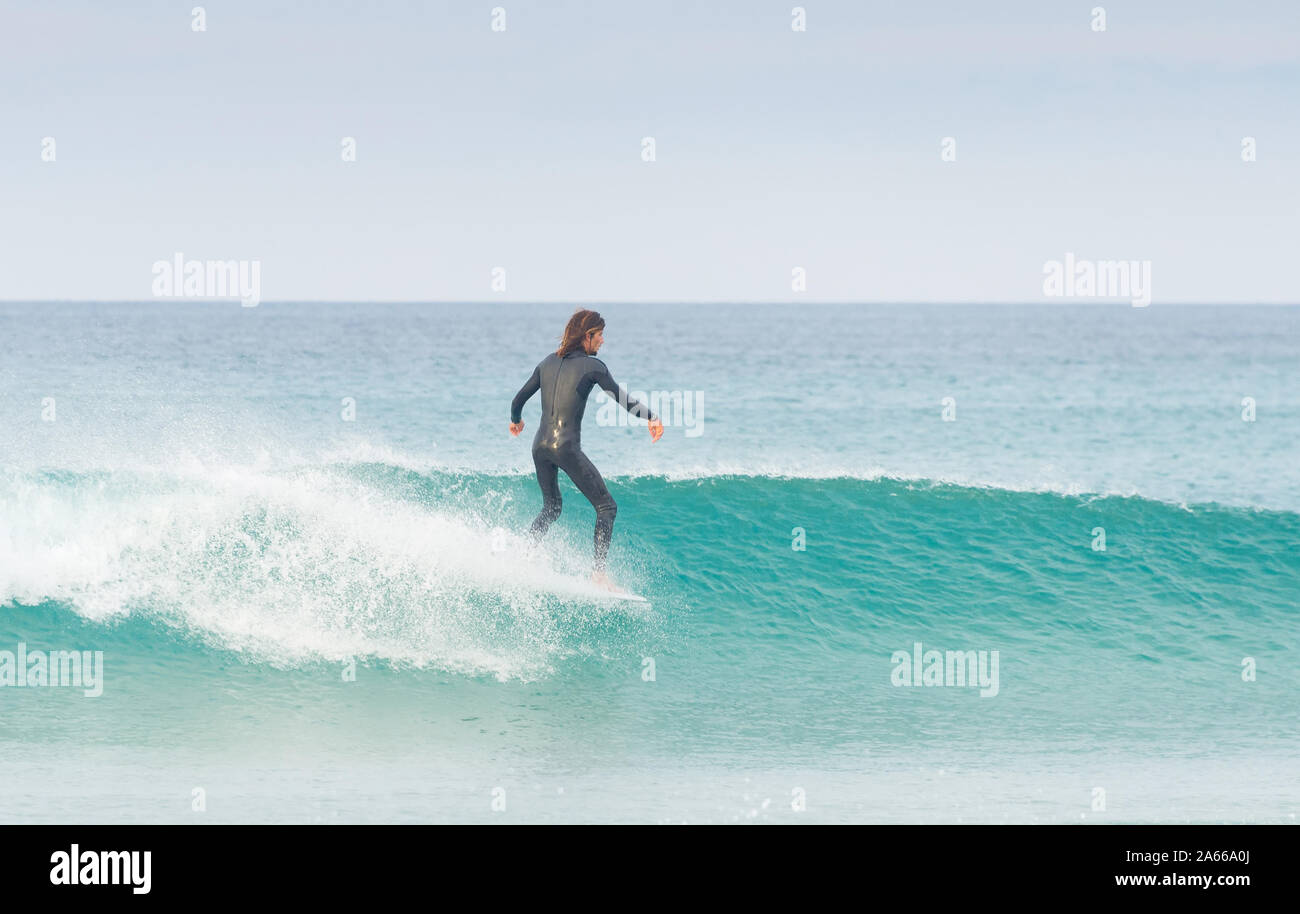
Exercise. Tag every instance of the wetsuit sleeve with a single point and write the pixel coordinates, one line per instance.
(531, 386)
(635, 407)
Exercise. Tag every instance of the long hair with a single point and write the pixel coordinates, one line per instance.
(580, 326)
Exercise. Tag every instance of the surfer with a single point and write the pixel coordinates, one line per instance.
(565, 378)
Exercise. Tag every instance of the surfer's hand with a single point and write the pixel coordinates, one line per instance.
(516, 428)
(656, 429)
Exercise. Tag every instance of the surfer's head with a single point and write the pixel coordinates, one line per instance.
(585, 331)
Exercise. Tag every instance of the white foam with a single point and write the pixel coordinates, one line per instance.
(291, 566)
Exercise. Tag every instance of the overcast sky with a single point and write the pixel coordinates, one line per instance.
(774, 148)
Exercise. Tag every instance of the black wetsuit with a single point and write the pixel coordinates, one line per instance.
(565, 383)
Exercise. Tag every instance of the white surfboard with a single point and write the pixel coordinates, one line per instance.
(586, 590)
(596, 592)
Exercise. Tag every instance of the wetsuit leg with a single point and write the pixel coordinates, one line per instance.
(547, 478)
(589, 482)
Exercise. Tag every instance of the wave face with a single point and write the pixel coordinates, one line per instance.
(427, 569)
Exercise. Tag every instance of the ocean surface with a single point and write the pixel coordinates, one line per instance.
(295, 533)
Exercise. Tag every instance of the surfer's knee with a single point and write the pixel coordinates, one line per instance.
(607, 509)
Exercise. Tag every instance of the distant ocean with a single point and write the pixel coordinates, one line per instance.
(294, 532)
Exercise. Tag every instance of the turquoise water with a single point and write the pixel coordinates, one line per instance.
(198, 510)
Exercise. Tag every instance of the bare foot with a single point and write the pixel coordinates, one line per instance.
(601, 579)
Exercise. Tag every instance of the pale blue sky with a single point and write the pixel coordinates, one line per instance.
(775, 149)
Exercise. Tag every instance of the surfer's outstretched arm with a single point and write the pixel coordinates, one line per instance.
(531, 386)
(633, 406)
